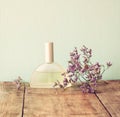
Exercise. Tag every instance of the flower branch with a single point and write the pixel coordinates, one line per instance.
(82, 71)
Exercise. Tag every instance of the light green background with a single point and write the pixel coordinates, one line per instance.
(25, 25)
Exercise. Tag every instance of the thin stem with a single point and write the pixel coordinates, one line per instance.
(104, 69)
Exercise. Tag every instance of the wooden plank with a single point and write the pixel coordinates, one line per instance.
(59, 103)
(11, 100)
(109, 94)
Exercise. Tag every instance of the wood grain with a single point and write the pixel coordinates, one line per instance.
(109, 94)
(11, 100)
(59, 103)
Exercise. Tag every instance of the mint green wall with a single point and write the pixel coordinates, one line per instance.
(25, 25)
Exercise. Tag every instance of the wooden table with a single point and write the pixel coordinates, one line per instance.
(29, 102)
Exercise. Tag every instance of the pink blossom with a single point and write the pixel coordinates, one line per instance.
(109, 64)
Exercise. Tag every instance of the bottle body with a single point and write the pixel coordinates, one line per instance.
(46, 74)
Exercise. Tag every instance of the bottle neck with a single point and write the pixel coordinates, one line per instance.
(49, 53)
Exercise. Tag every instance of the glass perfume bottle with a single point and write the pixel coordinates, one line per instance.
(49, 72)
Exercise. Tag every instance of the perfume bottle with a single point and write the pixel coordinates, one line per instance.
(49, 72)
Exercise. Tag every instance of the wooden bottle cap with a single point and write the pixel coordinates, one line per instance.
(49, 53)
